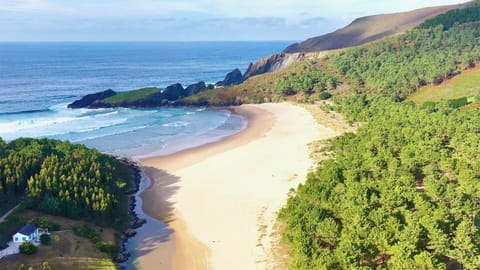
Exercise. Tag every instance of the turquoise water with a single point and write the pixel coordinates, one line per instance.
(38, 80)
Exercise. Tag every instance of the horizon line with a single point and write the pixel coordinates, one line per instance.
(145, 41)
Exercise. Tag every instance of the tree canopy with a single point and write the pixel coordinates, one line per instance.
(401, 193)
(61, 178)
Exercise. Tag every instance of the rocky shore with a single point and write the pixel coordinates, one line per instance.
(135, 222)
(152, 97)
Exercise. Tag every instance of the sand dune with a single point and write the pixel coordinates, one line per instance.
(222, 199)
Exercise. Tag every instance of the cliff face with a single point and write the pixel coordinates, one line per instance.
(278, 61)
(370, 28)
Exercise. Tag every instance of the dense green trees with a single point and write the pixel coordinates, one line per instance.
(60, 178)
(400, 65)
(309, 80)
(453, 17)
(401, 193)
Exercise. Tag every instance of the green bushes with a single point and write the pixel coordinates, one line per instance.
(324, 95)
(306, 82)
(45, 223)
(88, 232)
(45, 239)
(458, 102)
(27, 248)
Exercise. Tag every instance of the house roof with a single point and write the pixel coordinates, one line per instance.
(27, 229)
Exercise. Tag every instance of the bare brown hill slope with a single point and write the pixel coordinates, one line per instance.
(370, 28)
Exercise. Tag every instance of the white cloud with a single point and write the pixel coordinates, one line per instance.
(186, 19)
(39, 6)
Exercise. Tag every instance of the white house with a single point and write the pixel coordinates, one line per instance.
(27, 233)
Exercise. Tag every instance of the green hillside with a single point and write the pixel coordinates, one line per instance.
(403, 192)
(464, 85)
(395, 67)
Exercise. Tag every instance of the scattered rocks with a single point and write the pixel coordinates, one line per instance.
(135, 222)
(129, 233)
(122, 257)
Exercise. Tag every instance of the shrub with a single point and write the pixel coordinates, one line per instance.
(87, 231)
(46, 266)
(324, 95)
(45, 239)
(27, 248)
(458, 102)
(44, 222)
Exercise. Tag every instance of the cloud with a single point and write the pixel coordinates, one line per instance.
(186, 19)
(39, 6)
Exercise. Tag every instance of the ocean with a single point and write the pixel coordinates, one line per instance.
(38, 80)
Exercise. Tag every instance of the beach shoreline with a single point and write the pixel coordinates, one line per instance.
(221, 199)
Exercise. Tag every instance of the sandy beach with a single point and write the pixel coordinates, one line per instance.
(221, 199)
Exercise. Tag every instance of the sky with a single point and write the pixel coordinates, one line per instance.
(186, 20)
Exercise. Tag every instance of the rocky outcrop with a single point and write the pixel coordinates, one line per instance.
(196, 88)
(174, 92)
(278, 62)
(88, 100)
(370, 28)
(234, 77)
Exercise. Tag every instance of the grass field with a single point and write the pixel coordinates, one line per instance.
(131, 96)
(66, 250)
(466, 84)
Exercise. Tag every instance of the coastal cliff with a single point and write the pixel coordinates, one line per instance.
(278, 61)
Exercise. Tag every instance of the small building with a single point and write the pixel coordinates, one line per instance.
(28, 232)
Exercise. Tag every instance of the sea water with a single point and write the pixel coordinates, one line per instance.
(38, 80)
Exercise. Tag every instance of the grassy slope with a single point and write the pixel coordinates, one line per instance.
(132, 96)
(261, 88)
(256, 89)
(463, 85)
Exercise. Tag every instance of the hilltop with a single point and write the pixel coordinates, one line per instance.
(370, 28)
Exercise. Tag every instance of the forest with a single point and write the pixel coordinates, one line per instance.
(61, 178)
(470, 13)
(403, 192)
(399, 66)
(307, 81)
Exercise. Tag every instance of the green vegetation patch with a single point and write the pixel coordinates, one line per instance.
(464, 85)
(133, 96)
(88, 232)
(308, 81)
(27, 248)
